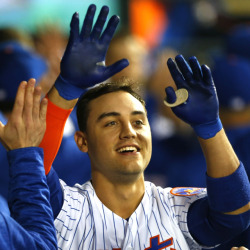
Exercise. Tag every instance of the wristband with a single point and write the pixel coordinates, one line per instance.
(208, 130)
(229, 193)
(67, 90)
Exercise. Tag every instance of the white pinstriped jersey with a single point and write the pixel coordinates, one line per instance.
(159, 222)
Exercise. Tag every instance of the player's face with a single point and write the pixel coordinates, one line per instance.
(118, 135)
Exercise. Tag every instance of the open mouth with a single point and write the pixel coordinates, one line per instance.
(129, 149)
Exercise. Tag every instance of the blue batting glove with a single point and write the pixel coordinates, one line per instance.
(201, 110)
(83, 62)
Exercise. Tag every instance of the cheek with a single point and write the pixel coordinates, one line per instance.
(145, 136)
(102, 141)
(149, 140)
(149, 146)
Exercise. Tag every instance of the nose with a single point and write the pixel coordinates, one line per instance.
(127, 131)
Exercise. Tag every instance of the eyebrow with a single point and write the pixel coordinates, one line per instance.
(103, 115)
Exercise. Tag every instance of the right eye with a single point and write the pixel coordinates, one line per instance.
(109, 124)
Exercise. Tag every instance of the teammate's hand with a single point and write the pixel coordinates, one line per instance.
(201, 110)
(83, 63)
(27, 123)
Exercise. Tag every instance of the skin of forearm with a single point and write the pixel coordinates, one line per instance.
(220, 157)
(59, 101)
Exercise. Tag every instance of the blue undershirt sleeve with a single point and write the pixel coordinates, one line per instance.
(32, 223)
(210, 228)
(206, 219)
(56, 194)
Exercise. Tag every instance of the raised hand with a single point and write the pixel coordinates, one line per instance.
(83, 63)
(27, 123)
(201, 110)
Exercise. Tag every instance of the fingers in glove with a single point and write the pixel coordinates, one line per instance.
(196, 68)
(207, 75)
(88, 22)
(176, 74)
(171, 96)
(110, 30)
(184, 68)
(97, 30)
(115, 68)
(74, 28)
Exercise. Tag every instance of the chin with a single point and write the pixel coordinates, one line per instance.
(129, 177)
(132, 169)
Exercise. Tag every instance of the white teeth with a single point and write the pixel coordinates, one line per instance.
(131, 149)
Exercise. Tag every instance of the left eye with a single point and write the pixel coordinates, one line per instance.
(138, 122)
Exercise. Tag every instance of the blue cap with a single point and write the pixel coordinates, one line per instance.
(238, 41)
(231, 76)
(17, 63)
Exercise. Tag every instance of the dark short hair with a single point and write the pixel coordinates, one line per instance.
(97, 91)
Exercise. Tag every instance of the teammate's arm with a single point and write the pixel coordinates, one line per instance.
(82, 66)
(31, 225)
(225, 212)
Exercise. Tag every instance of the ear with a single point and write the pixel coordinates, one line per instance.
(81, 141)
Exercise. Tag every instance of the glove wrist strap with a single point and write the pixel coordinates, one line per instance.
(67, 90)
(208, 130)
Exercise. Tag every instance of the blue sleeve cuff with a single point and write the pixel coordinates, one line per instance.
(229, 193)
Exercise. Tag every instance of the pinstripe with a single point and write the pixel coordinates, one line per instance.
(156, 221)
(115, 230)
(123, 228)
(129, 229)
(163, 203)
(104, 216)
(91, 240)
(103, 236)
(160, 216)
(77, 225)
(165, 206)
(91, 214)
(137, 231)
(147, 223)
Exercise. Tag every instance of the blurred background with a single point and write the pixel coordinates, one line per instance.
(33, 37)
(189, 26)
(207, 20)
(217, 32)
(30, 15)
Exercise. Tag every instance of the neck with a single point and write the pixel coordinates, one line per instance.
(120, 198)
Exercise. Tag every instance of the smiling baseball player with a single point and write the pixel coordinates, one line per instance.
(117, 209)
